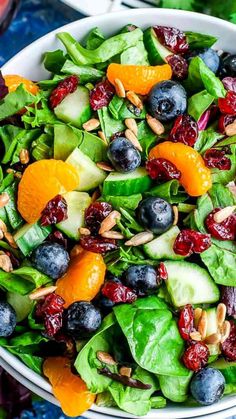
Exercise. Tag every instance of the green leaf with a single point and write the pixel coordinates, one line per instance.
(171, 191)
(94, 39)
(85, 73)
(15, 101)
(206, 139)
(42, 147)
(199, 40)
(54, 60)
(13, 215)
(37, 116)
(33, 275)
(146, 137)
(13, 283)
(136, 55)
(199, 103)
(178, 4)
(226, 176)
(108, 124)
(221, 264)
(175, 388)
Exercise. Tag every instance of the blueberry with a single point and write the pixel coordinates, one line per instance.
(155, 214)
(52, 259)
(123, 155)
(210, 58)
(105, 303)
(228, 66)
(207, 386)
(81, 319)
(167, 100)
(7, 319)
(142, 279)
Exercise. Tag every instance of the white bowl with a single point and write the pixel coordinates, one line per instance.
(29, 64)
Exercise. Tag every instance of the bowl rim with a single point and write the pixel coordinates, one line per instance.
(7, 357)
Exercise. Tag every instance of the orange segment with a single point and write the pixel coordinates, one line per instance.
(13, 81)
(68, 388)
(41, 182)
(138, 78)
(195, 176)
(83, 278)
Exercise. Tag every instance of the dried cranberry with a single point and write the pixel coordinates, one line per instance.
(162, 169)
(196, 356)
(178, 65)
(224, 121)
(53, 324)
(185, 130)
(172, 38)
(229, 345)
(162, 272)
(216, 159)
(185, 323)
(227, 104)
(58, 237)
(64, 88)
(118, 293)
(54, 212)
(191, 241)
(203, 120)
(228, 297)
(50, 309)
(3, 87)
(95, 214)
(101, 95)
(226, 230)
(229, 83)
(98, 244)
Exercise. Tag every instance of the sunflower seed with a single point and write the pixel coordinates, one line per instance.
(4, 199)
(41, 292)
(202, 325)
(105, 166)
(156, 126)
(109, 222)
(224, 213)
(3, 226)
(84, 231)
(10, 239)
(120, 90)
(91, 124)
(197, 316)
(76, 250)
(140, 238)
(134, 99)
(102, 136)
(112, 235)
(230, 129)
(5, 263)
(106, 358)
(133, 139)
(176, 215)
(126, 371)
(221, 314)
(24, 156)
(132, 125)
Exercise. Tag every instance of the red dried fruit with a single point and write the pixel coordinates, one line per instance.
(203, 120)
(229, 345)
(95, 214)
(58, 237)
(227, 104)
(162, 169)
(98, 244)
(54, 212)
(101, 95)
(190, 241)
(226, 230)
(64, 88)
(216, 159)
(118, 293)
(53, 324)
(196, 356)
(3, 87)
(184, 130)
(179, 66)
(162, 272)
(50, 309)
(228, 297)
(229, 83)
(172, 38)
(225, 120)
(186, 322)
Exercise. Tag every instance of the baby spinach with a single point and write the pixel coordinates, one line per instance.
(14, 283)
(146, 137)
(85, 73)
(136, 55)
(119, 109)
(171, 191)
(13, 215)
(199, 40)
(226, 176)
(54, 60)
(207, 139)
(8, 135)
(199, 103)
(175, 388)
(94, 39)
(15, 101)
(221, 263)
(108, 124)
(32, 275)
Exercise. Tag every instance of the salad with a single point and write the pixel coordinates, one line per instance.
(117, 220)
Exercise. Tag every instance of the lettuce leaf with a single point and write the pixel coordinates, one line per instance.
(15, 101)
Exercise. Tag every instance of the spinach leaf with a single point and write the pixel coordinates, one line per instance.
(146, 137)
(14, 283)
(199, 40)
(54, 60)
(42, 147)
(38, 116)
(175, 388)
(13, 215)
(85, 73)
(228, 369)
(226, 176)
(136, 55)
(152, 335)
(119, 109)
(108, 124)
(32, 275)
(199, 103)
(206, 139)
(105, 399)
(130, 221)
(171, 191)
(94, 39)
(24, 140)
(15, 101)
(33, 324)
(8, 135)
(8, 180)
(221, 264)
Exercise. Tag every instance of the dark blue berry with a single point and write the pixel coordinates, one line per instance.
(52, 259)
(7, 319)
(142, 279)
(228, 66)
(123, 155)
(81, 319)
(167, 100)
(210, 58)
(155, 214)
(105, 303)
(207, 386)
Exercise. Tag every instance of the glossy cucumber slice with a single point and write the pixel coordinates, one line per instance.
(130, 202)
(75, 108)
(31, 236)
(127, 184)
(162, 246)
(188, 283)
(77, 202)
(90, 176)
(21, 304)
(157, 53)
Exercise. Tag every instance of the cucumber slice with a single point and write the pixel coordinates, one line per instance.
(157, 53)
(90, 176)
(77, 202)
(188, 283)
(130, 202)
(21, 304)
(162, 246)
(31, 236)
(127, 184)
(75, 108)
(65, 141)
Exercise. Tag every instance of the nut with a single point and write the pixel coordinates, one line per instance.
(102, 136)
(176, 215)
(197, 316)
(202, 325)
(1, 235)
(140, 238)
(221, 314)
(105, 166)
(109, 222)
(213, 339)
(106, 358)
(133, 139)
(91, 124)
(84, 231)
(126, 371)
(230, 129)
(134, 99)
(3, 226)
(10, 239)
(4, 199)
(112, 235)
(224, 213)
(195, 336)
(41, 292)
(132, 125)
(225, 331)
(156, 126)
(76, 250)
(96, 194)
(120, 90)
(24, 156)
(18, 175)
(5, 263)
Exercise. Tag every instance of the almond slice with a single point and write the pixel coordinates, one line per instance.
(112, 235)
(176, 215)
(197, 316)
(225, 331)
(202, 325)
(156, 126)
(213, 339)
(126, 371)
(195, 336)
(41, 292)
(105, 166)
(224, 213)
(134, 99)
(91, 124)
(132, 125)
(133, 139)
(120, 90)
(4, 199)
(220, 314)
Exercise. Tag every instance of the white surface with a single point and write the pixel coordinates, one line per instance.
(28, 64)
(98, 7)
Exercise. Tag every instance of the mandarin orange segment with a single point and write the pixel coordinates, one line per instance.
(68, 388)
(195, 176)
(83, 278)
(12, 81)
(138, 78)
(41, 182)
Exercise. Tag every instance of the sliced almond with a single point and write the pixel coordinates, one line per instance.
(5, 263)
(134, 99)
(224, 213)
(102, 136)
(176, 215)
(41, 292)
(132, 125)
(195, 336)
(213, 339)
(202, 325)
(24, 156)
(105, 166)
(197, 316)
(112, 235)
(220, 314)
(230, 129)
(91, 124)
(106, 358)
(109, 222)
(126, 371)
(3, 226)
(84, 231)
(10, 239)
(76, 250)
(133, 139)
(1, 234)
(120, 90)
(4, 199)
(140, 238)
(225, 331)
(156, 126)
